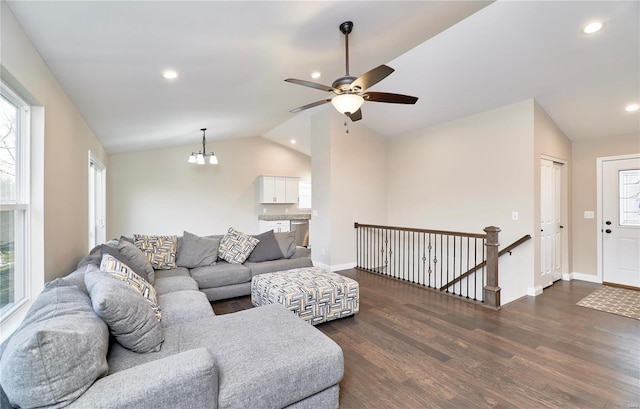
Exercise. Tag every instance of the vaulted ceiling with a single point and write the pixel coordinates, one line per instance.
(458, 57)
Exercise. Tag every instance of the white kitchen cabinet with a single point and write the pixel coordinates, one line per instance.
(292, 190)
(278, 226)
(278, 189)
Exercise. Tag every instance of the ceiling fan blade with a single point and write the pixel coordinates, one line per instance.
(370, 78)
(311, 105)
(356, 116)
(389, 97)
(310, 84)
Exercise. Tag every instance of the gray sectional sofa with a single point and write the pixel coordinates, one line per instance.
(225, 280)
(69, 352)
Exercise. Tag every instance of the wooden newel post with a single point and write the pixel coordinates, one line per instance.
(492, 289)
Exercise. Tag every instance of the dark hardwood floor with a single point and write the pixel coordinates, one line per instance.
(413, 348)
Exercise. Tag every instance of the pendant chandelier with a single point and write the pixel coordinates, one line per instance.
(202, 156)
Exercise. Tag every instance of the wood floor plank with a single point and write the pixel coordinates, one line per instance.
(413, 348)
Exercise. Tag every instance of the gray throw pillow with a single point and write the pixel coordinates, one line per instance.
(115, 253)
(196, 251)
(130, 318)
(267, 249)
(137, 259)
(58, 351)
(287, 243)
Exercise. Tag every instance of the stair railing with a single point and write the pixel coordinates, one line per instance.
(456, 263)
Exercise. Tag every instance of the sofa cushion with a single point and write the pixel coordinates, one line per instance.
(278, 265)
(266, 357)
(287, 243)
(58, 351)
(130, 317)
(137, 259)
(167, 285)
(197, 251)
(236, 246)
(266, 249)
(221, 274)
(184, 306)
(174, 272)
(160, 250)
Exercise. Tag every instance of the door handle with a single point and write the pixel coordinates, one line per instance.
(608, 231)
(608, 223)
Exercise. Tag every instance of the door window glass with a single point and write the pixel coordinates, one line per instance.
(629, 197)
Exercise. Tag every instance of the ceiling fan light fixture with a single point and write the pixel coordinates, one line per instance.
(347, 103)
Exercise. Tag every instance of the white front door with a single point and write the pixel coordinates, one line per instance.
(551, 221)
(620, 222)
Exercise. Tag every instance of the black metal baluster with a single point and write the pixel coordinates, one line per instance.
(468, 257)
(429, 248)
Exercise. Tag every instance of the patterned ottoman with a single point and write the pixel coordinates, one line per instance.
(313, 294)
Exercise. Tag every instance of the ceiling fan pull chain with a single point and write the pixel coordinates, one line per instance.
(345, 122)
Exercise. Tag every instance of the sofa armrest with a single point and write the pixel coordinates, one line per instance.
(185, 380)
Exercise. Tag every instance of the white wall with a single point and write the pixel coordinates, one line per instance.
(551, 143)
(158, 192)
(468, 174)
(585, 231)
(349, 185)
(320, 225)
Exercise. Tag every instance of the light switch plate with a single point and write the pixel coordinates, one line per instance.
(588, 214)
(515, 215)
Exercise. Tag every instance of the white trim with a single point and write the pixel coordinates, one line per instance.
(599, 199)
(534, 291)
(334, 268)
(583, 277)
(97, 169)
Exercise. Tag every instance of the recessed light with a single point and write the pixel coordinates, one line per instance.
(293, 141)
(632, 107)
(169, 75)
(593, 27)
(315, 75)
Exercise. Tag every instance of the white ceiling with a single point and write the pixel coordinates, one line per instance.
(458, 57)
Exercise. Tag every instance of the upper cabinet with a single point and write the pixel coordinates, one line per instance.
(279, 189)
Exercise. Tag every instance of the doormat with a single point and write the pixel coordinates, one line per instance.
(620, 301)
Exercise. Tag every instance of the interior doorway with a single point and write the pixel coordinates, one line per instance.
(97, 202)
(551, 224)
(619, 220)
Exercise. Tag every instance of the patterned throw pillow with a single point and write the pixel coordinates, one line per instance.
(236, 246)
(160, 250)
(123, 272)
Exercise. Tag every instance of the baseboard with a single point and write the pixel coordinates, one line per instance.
(337, 267)
(582, 277)
(534, 291)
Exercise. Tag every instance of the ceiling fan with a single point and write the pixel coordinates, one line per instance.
(351, 92)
